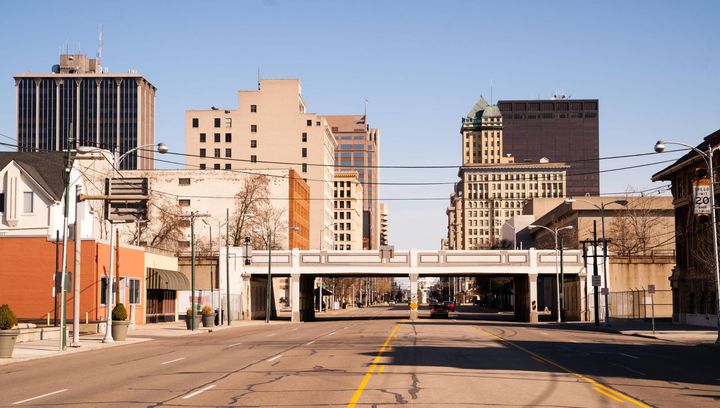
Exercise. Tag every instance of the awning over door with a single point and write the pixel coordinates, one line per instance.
(165, 279)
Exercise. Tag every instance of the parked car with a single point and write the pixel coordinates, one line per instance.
(438, 311)
(450, 305)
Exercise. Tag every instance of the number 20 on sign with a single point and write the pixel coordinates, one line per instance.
(701, 196)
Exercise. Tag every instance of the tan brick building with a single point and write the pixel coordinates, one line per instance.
(271, 128)
(348, 218)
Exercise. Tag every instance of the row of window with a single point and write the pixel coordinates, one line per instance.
(343, 215)
(474, 195)
(343, 237)
(228, 166)
(512, 177)
(133, 286)
(28, 202)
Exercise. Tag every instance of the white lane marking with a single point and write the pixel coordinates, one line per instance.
(274, 358)
(40, 396)
(345, 327)
(271, 334)
(311, 342)
(330, 334)
(543, 333)
(192, 394)
(172, 361)
(628, 355)
(234, 344)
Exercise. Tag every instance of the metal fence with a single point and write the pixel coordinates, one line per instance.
(638, 304)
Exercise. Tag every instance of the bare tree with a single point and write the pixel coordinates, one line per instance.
(268, 223)
(251, 199)
(635, 227)
(165, 223)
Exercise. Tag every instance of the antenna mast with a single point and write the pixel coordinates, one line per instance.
(100, 47)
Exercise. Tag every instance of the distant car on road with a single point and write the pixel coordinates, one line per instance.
(438, 311)
(450, 305)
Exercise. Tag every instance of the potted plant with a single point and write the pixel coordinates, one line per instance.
(7, 335)
(208, 316)
(190, 322)
(119, 322)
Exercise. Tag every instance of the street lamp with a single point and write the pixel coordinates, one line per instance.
(708, 157)
(268, 287)
(161, 148)
(557, 271)
(601, 207)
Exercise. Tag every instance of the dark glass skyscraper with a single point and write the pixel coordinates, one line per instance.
(562, 130)
(109, 111)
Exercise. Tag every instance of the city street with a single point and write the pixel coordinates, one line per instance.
(375, 357)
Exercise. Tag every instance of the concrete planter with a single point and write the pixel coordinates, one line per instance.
(195, 322)
(120, 329)
(208, 320)
(7, 342)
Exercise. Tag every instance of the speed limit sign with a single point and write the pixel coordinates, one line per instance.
(701, 196)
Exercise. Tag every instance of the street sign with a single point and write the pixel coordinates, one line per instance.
(651, 289)
(596, 280)
(701, 196)
(604, 291)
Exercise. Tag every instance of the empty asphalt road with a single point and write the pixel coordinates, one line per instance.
(375, 358)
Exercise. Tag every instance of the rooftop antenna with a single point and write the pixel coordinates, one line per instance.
(366, 104)
(100, 47)
(258, 78)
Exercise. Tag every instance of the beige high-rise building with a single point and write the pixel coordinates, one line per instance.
(492, 187)
(348, 225)
(359, 150)
(271, 128)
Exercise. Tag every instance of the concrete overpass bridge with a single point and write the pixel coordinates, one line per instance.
(302, 267)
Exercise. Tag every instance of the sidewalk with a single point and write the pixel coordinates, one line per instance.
(33, 350)
(664, 330)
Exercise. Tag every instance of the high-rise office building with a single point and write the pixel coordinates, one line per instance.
(348, 225)
(562, 130)
(106, 110)
(359, 150)
(270, 128)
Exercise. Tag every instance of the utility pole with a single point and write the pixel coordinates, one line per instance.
(76, 274)
(68, 167)
(268, 287)
(192, 268)
(562, 284)
(227, 262)
(596, 298)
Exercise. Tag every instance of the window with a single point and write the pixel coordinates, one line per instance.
(304, 152)
(317, 123)
(103, 290)
(216, 152)
(253, 108)
(228, 166)
(184, 182)
(202, 153)
(202, 166)
(304, 137)
(184, 202)
(253, 128)
(217, 137)
(304, 167)
(228, 137)
(28, 202)
(217, 122)
(216, 166)
(253, 159)
(134, 291)
(203, 137)
(253, 144)
(196, 122)
(228, 152)
(2, 202)
(228, 122)
(309, 122)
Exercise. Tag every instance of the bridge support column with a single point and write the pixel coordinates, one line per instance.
(532, 292)
(295, 297)
(245, 301)
(414, 301)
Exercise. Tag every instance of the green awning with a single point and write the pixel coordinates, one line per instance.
(165, 279)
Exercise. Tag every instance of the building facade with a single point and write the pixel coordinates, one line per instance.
(105, 110)
(348, 225)
(694, 287)
(359, 150)
(271, 128)
(562, 130)
(493, 187)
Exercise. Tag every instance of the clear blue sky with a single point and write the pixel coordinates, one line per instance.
(654, 66)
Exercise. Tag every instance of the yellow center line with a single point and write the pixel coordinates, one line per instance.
(607, 391)
(369, 373)
(607, 394)
(381, 368)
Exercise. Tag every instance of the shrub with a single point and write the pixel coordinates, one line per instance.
(7, 318)
(119, 312)
(206, 310)
(189, 311)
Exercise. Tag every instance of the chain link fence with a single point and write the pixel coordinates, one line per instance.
(638, 304)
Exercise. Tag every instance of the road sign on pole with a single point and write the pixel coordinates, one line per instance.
(701, 196)
(596, 280)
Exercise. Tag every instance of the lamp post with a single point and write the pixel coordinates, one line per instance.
(268, 287)
(601, 207)
(557, 270)
(708, 157)
(161, 148)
